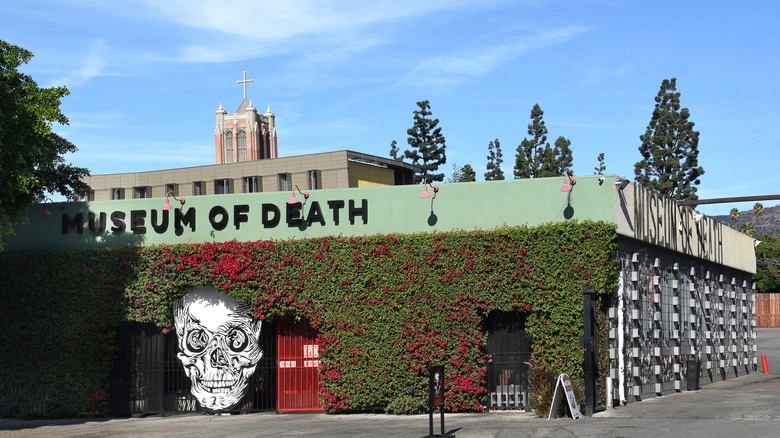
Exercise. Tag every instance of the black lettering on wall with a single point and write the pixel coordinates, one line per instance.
(77, 222)
(662, 224)
(118, 219)
(294, 215)
(239, 215)
(362, 211)
(138, 221)
(101, 226)
(639, 214)
(181, 219)
(685, 219)
(315, 214)
(652, 222)
(718, 241)
(270, 221)
(218, 211)
(335, 206)
(704, 231)
(160, 228)
(673, 226)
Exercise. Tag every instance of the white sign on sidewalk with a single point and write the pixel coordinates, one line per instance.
(564, 388)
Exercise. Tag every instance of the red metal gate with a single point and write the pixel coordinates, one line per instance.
(299, 367)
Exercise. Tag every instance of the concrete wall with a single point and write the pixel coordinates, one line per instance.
(640, 214)
(644, 215)
(372, 210)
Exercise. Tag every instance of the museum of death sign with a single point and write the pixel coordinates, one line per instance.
(218, 218)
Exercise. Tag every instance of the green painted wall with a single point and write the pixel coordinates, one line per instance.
(397, 209)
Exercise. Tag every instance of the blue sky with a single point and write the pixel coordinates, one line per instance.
(147, 76)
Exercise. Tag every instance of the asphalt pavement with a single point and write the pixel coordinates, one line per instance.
(745, 407)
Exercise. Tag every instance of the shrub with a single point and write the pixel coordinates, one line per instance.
(386, 307)
(543, 382)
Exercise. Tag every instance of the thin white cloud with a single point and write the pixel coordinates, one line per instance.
(108, 119)
(594, 74)
(450, 70)
(272, 27)
(91, 67)
(135, 156)
(280, 20)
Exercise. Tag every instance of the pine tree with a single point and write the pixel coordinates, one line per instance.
(601, 167)
(536, 158)
(467, 174)
(394, 151)
(495, 158)
(670, 148)
(428, 144)
(528, 152)
(562, 155)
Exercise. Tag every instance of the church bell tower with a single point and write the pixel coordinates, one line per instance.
(244, 135)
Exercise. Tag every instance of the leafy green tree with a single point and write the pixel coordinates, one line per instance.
(734, 214)
(428, 144)
(670, 148)
(758, 209)
(495, 158)
(767, 276)
(601, 167)
(467, 174)
(535, 158)
(31, 154)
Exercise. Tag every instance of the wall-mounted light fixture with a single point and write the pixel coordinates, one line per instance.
(426, 194)
(756, 243)
(46, 211)
(293, 199)
(167, 205)
(567, 180)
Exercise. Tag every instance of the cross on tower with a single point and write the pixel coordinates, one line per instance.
(244, 82)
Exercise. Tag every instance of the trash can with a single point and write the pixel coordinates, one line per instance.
(694, 370)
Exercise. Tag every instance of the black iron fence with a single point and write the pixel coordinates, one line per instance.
(507, 364)
(150, 379)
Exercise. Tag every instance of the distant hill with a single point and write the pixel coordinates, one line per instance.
(766, 223)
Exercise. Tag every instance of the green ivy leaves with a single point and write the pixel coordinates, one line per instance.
(386, 306)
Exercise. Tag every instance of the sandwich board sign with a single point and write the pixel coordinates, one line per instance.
(564, 389)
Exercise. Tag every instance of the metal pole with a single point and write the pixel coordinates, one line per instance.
(695, 202)
(430, 401)
(441, 409)
(589, 342)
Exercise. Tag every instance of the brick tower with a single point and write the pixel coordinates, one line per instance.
(244, 135)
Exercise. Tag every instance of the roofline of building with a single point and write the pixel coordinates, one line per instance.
(381, 161)
(351, 156)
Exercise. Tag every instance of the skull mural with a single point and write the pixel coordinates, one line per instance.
(218, 346)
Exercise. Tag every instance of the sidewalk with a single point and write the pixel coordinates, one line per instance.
(743, 407)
